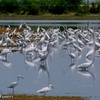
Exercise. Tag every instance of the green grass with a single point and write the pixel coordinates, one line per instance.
(71, 16)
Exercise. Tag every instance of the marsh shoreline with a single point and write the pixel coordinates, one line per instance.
(50, 17)
(35, 97)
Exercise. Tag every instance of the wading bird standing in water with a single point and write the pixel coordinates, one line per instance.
(45, 89)
(14, 84)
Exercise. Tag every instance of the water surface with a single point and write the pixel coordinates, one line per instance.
(66, 79)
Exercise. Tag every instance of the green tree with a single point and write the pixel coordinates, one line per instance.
(82, 9)
(10, 6)
(98, 7)
(57, 6)
(33, 9)
(73, 5)
(25, 5)
(93, 8)
(29, 7)
(43, 5)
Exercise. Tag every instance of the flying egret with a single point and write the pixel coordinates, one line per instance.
(14, 84)
(45, 89)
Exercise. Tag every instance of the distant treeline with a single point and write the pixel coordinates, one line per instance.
(35, 7)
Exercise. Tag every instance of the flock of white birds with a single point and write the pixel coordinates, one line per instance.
(37, 46)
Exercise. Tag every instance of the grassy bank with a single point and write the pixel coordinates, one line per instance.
(26, 97)
(50, 17)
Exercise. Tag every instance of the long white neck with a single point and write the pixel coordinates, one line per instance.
(17, 79)
(49, 87)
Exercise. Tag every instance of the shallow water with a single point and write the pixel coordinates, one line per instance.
(69, 23)
(66, 79)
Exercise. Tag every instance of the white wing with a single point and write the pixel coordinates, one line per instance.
(87, 64)
(90, 53)
(12, 85)
(43, 90)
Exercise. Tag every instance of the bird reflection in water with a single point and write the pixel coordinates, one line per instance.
(43, 68)
(86, 73)
(29, 56)
(4, 61)
(71, 67)
(31, 60)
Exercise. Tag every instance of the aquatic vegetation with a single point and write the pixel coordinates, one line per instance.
(30, 97)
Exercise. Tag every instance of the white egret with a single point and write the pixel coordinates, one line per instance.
(89, 53)
(44, 48)
(2, 57)
(30, 48)
(1, 41)
(14, 84)
(43, 55)
(80, 42)
(38, 29)
(47, 35)
(23, 24)
(8, 28)
(42, 39)
(5, 51)
(9, 41)
(28, 27)
(77, 47)
(45, 89)
(85, 65)
(71, 54)
(13, 33)
(43, 29)
(19, 35)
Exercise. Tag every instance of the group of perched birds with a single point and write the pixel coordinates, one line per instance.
(38, 45)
